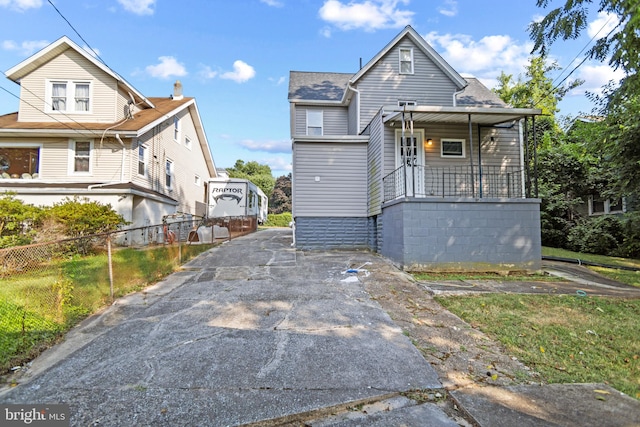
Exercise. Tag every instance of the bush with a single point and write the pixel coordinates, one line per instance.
(630, 247)
(279, 220)
(80, 216)
(601, 235)
(17, 220)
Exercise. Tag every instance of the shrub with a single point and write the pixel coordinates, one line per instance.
(279, 220)
(16, 221)
(600, 235)
(630, 247)
(80, 216)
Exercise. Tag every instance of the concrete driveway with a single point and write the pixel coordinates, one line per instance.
(251, 332)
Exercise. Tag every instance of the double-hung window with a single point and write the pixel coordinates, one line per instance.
(69, 96)
(168, 180)
(80, 154)
(314, 122)
(176, 129)
(142, 159)
(406, 61)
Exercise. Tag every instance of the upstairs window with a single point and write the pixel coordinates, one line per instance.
(142, 160)
(80, 154)
(168, 181)
(176, 129)
(314, 122)
(187, 142)
(69, 96)
(601, 206)
(406, 61)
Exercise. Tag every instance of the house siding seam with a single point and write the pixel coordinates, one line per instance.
(314, 233)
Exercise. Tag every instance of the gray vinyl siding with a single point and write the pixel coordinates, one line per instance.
(353, 116)
(384, 85)
(67, 66)
(375, 169)
(334, 120)
(342, 172)
(503, 151)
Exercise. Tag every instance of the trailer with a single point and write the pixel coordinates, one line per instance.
(236, 197)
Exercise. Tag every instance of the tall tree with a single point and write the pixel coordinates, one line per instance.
(259, 174)
(620, 46)
(280, 200)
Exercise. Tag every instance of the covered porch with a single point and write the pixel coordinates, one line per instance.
(471, 212)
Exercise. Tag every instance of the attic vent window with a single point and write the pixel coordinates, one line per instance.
(406, 61)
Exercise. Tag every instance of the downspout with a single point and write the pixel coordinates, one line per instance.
(455, 94)
(123, 157)
(480, 161)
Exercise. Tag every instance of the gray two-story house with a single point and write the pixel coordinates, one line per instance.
(408, 158)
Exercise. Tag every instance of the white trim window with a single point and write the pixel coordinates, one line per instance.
(197, 180)
(68, 96)
(406, 60)
(187, 142)
(600, 206)
(143, 159)
(452, 147)
(403, 102)
(315, 123)
(176, 129)
(80, 157)
(168, 174)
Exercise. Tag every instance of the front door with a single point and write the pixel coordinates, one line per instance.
(409, 151)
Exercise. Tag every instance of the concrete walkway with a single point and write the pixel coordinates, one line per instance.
(254, 332)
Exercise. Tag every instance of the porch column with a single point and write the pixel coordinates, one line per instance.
(473, 180)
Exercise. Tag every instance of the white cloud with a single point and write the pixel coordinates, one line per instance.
(272, 3)
(167, 68)
(283, 146)
(450, 8)
(278, 81)
(241, 73)
(369, 15)
(21, 5)
(25, 48)
(207, 73)
(602, 25)
(139, 7)
(485, 58)
(596, 75)
(278, 163)
(325, 32)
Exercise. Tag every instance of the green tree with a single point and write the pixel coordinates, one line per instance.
(280, 200)
(259, 174)
(17, 220)
(621, 48)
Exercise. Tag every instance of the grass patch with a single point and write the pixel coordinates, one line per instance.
(38, 307)
(513, 276)
(566, 339)
(623, 276)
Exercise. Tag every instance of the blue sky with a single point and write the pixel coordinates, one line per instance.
(234, 56)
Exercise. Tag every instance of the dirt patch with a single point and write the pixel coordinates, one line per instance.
(460, 353)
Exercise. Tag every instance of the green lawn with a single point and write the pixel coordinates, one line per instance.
(624, 276)
(567, 339)
(38, 307)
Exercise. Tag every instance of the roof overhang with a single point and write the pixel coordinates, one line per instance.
(458, 115)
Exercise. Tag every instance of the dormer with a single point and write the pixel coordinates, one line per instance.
(65, 83)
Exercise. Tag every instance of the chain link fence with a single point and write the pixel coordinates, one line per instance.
(47, 288)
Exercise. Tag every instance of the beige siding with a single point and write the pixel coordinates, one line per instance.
(330, 179)
(187, 163)
(70, 65)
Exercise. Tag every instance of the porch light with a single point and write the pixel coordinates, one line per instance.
(429, 141)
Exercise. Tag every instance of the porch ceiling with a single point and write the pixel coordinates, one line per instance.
(459, 115)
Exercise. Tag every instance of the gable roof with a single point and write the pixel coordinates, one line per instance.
(409, 32)
(313, 86)
(475, 94)
(58, 47)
